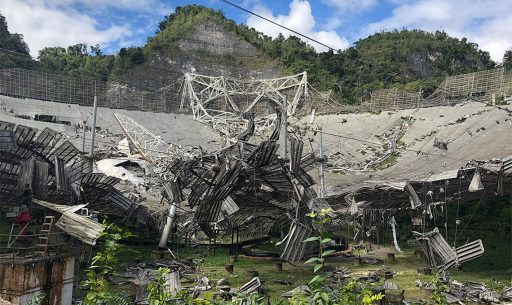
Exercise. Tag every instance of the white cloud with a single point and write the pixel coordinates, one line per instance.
(486, 22)
(351, 5)
(45, 23)
(129, 5)
(299, 19)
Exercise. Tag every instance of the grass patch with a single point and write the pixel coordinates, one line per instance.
(389, 161)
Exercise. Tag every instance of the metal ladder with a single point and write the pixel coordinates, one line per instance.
(44, 235)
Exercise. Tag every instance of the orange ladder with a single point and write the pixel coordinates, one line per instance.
(44, 235)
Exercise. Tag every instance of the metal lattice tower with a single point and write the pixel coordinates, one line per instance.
(216, 101)
(150, 146)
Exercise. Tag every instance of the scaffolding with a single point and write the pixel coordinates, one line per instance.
(31, 84)
(482, 86)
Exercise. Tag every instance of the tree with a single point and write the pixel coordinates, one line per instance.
(96, 50)
(103, 266)
(14, 52)
(507, 60)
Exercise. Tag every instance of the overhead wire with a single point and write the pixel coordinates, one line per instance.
(333, 49)
(407, 149)
(280, 25)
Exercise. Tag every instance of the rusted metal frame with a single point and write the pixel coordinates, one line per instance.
(308, 162)
(7, 125)
(295, 246)
(46, 141)
(209, 207)
(296, 148)
(66, 152)
(24, 136)
(76, 171)
(40, 186)
(173, 191)
(304, 178)
(120, 200)
(61, 176)
(26, 174)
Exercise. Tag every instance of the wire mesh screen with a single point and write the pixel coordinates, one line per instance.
(394, 99)
(479, 86)
(72, 90)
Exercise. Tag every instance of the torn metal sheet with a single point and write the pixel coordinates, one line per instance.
(7, 141)
(252, 286)
(80, 227)
(120, 200)
(295, 247)
(132, 170)
(229, 206)
(308, 162)
(73, 224)
(173, 191)
(470, 251)
(172, 282)
(61, 175)
(413, 196)
(26, 175)
(296, 147)
(40, 184)
(60, 208)
(476, 183)
(507, 166)
(441, 256)
(446, 175)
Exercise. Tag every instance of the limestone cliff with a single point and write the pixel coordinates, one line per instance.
(208, 49)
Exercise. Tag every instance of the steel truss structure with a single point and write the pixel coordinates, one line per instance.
(150, 146)
(223, 102)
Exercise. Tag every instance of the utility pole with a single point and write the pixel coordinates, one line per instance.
(284, 126)
(84, 128)
(95, 111)
(168, 226)
(321, 160)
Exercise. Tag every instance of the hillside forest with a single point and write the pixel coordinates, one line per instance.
(413, 60)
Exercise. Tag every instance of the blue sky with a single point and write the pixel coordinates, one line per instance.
(339, 23)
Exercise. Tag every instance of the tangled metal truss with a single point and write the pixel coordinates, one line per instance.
(45, 165)
(247, 189)
(150, 146)
(224, 103)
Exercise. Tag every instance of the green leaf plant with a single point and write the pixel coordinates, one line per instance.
(103, 266)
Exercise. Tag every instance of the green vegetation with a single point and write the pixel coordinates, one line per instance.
(389, 161)
(14, 52)
(104, 266)
(412, 60)
(507, 60)
(181, 23)
(438, 294)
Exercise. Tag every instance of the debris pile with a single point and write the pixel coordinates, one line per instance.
(469, 291)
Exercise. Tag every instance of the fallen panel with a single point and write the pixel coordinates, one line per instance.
(295, 246)
(441, 256)
(470, 251)
(251, 286)
(80, 227)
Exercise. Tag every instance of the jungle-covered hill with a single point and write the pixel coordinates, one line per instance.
(203, 40)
